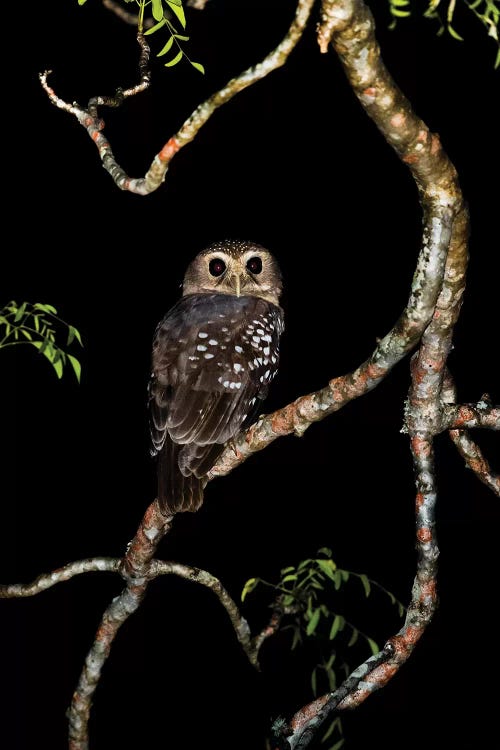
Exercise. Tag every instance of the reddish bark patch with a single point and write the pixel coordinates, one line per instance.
(169, 150)
(282, 422)
(308, 712)
(428, 590)
(420, 446)
(424, 535)
(435, 144)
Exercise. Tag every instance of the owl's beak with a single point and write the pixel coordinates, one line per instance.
(235, 283)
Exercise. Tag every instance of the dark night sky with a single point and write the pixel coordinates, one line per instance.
(292, 163)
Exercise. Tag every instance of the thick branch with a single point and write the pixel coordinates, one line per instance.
(349, 26)
(159, 166)
(135, 568)
(352, 32)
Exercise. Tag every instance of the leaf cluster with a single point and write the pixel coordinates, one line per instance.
(165, 14)
(308, 596)
(443, 11)
(37, 325)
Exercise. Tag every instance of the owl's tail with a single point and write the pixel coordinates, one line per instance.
(177, 492)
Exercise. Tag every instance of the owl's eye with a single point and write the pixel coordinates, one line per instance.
(216, 266)
(254, 265)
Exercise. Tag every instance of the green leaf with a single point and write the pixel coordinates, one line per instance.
(354, 637)
(248, 587)
(317, 585)
(345, 575)
(19, 314)
(166, 48)
(45, 308)
(326, 551)
(288, 600)
(337, 625)
(178, 10)
(328, 567)
(26, 334)
(73, 333)
(155, 27)
(58, 367)
(337, 579)
(304, 564)
(198, 66)
(313, 622)
(82, 2)
(314, 681)
(77, 368)
(329, 664)
(157, 10)
(284, 571)
(297, 638)
(373, 645)
(175, 60)
(338, 744)
(401, 609)
(332, 679)
(366, 584)
(290, 577)
(181, 37)
(454, 33)
(77, 334)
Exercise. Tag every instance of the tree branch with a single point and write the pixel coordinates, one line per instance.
(468, 449)
(47, 580)
(429, 318)
(136, 569)
(349, 26)
(156, 173)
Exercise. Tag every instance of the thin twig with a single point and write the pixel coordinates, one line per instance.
(47, 580)
(471, 416)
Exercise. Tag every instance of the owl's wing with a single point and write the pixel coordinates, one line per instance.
(214, 356)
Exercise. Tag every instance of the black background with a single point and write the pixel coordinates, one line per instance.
(292, 163)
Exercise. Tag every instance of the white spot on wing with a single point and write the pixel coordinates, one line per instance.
(208, 355)
(202, 335)
(201, 348)
(238, 349)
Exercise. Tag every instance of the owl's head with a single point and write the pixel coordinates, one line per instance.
(234, 267)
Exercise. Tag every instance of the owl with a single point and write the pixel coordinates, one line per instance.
(214, 355)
